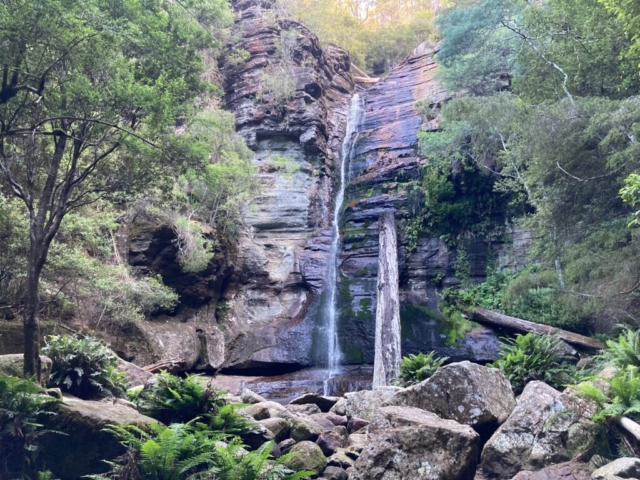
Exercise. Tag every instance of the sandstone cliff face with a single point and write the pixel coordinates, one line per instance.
(386, 160)
(282, 254)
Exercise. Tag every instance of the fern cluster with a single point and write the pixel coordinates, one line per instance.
(84, 367)
(534, 357)
(192, 452)
(624, 352)
(417, 368)
(172, 399)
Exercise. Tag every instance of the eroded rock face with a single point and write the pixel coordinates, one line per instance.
(545, 428)
(406, 442)
(465, 392)
(282, 256)
(386, 162)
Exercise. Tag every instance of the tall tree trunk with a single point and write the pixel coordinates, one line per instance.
(30, 319)
(388, 354)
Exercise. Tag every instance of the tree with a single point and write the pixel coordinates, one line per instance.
(91, 93)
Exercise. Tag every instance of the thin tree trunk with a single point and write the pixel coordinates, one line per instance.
(31, 323)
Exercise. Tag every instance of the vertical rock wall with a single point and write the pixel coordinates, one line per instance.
(283, 249)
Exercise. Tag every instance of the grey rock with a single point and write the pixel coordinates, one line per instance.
(278, 426)
(12, 365)
(304, 428)
(257, 412)
(248, 396)
(406, 442)
(622, 468)
(306, 409)
(340, 408)
(356, 424)
(562, 471)
(545, 428)
(340, 459)
(134, 374)
(363, 404)
(465, 392)
(334, 473)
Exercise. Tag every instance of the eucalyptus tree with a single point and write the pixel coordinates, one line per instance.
(91, 95)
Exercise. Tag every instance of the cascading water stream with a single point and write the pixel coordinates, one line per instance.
(330, 314)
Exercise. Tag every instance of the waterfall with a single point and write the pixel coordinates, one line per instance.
(330, 314)
(388, 354)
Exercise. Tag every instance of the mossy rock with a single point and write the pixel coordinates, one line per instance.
(84, 445)
(306, 456)
(13, 366)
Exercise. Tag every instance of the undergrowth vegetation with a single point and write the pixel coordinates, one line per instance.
(535, 357)
(84, 367)
(417, 368)
(22, 405)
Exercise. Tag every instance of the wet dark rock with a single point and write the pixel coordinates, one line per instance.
(324, 403)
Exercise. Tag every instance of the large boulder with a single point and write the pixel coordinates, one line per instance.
(409, 443)
(508, 450)
(547, 427)
(364, 403)
(13, 366)
(465, 392)
(85, 445)
(306, 456)
(621, 468)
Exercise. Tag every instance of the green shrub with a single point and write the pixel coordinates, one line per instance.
(171, 399)
(84, 367)
(534, 357)
(21, 402)
(417, 368)
(621, 398)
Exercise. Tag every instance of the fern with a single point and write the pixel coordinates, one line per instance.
(417, 368)
(171, 399)
(624, 352)
(534, 357)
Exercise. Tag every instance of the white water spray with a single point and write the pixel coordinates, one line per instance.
(334, 356)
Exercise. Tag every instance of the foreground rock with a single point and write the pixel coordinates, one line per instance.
(409, 443)
(546, 427)
(13, 366)
(620, 468)
(136, 375)
(85, 445)
(563, 471)
(306, 456)
(465, 392)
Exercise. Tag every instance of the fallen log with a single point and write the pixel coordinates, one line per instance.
(482, 315)
(365, 79)
(630, 426)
